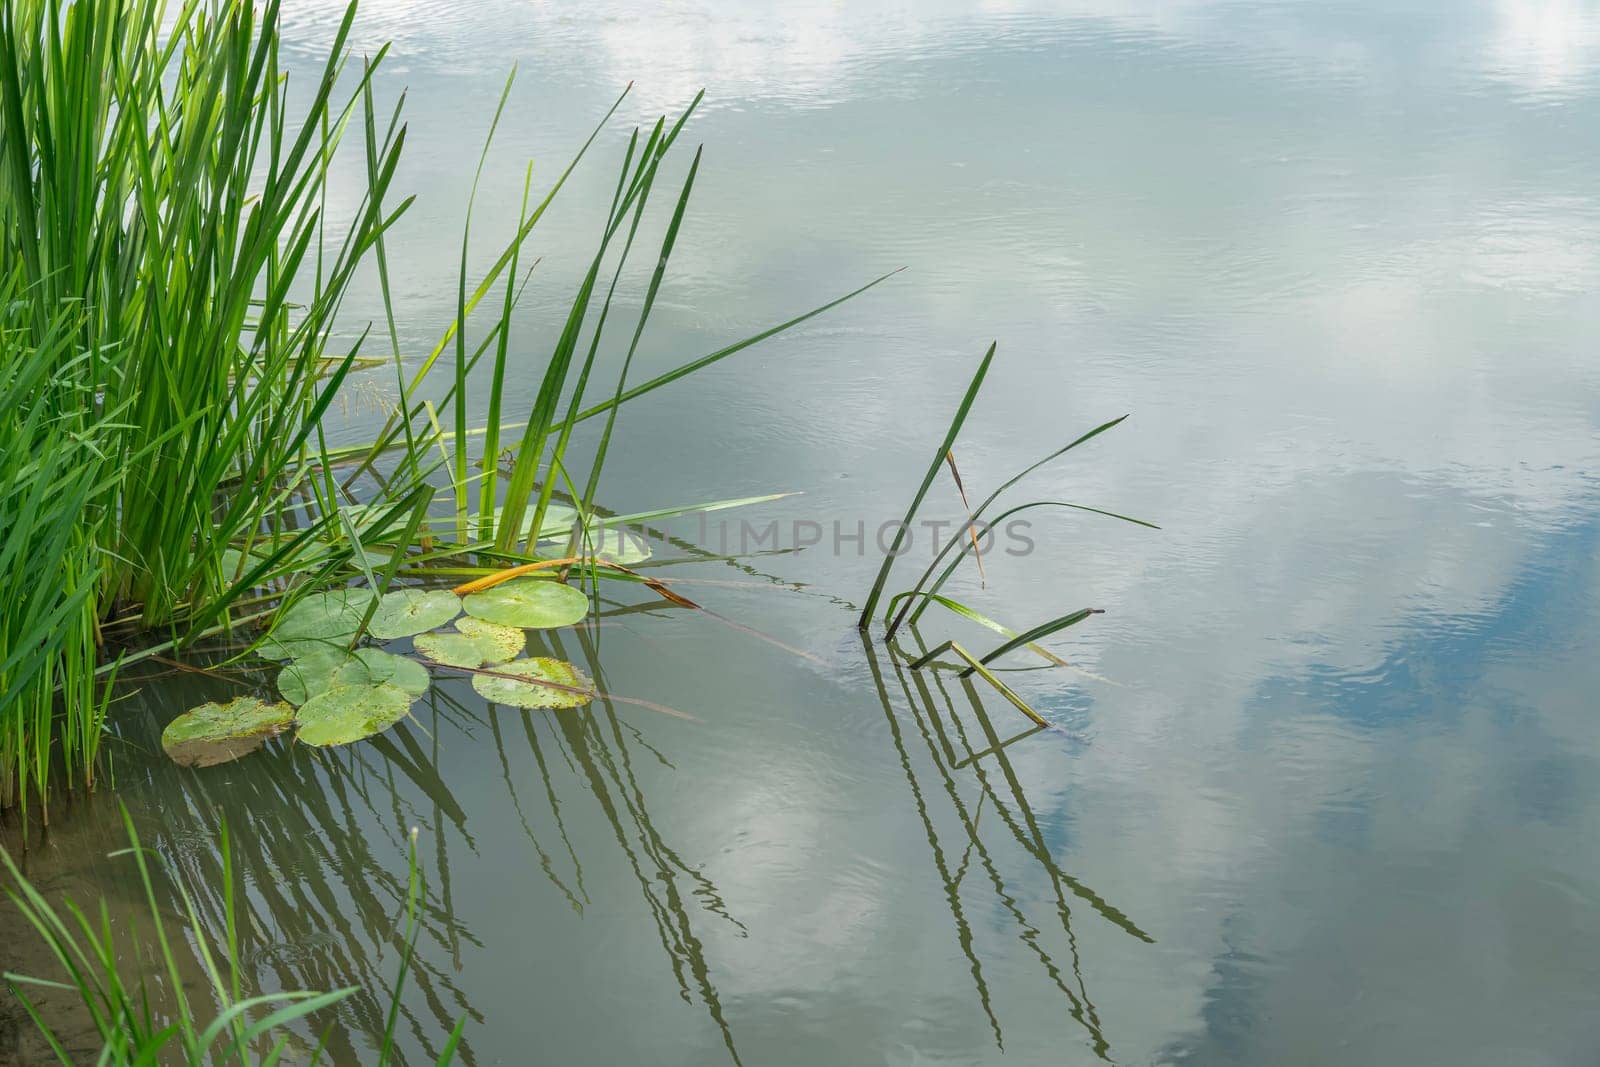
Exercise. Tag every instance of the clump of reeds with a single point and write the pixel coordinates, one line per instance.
(53, 480)
(908, 605)
(153, 179)
(174, 272)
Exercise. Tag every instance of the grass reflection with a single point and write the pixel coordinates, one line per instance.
(317, 833)
(1006, 797)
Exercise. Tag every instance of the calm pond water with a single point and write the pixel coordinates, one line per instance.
(1329, 791)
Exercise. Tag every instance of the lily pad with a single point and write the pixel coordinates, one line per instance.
(380, 666)
(530, 694)
(311, 673)
(558, 520)
(472, 643)
(217, 733)
(617, 545)
(407, 612)
(321, 621)
(237, 565)
(450, 648)
(505, 637)
(530, 603)
(349, 713)
(319, 672)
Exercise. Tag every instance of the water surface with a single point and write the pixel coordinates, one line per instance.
(1328, 789)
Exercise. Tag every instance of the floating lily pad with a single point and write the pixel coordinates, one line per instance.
(531, 694)
(217, 733)
(238, 565)
(506, 640)
(558, 520)
(311, 673)
(531, 603)
(349, 713)
(472, 643)
(380, 666)
(617, 545)
(407, 612)
(319, 672)
(450, 648)
(321, 621)
(336, 613)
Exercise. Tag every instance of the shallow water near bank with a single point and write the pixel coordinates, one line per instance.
(1329, 795)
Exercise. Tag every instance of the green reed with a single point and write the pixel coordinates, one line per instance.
(154, 179)
(53, 481)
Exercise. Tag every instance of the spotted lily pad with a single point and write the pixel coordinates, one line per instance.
(321, 621)
(531, 694)
(530, 603)
(511, 638)
(319, 672)
(450, 648)
(349, 713)
(407, 612)
(472, 643)
(217, 733)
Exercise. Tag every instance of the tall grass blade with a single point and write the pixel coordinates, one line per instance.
(916, 502)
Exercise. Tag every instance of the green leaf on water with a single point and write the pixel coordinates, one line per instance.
(617, 545)
(472, 643)
(311, 673)
(558, 520)
(511, 637)
(532, 694)
(237, 564)
(320, 671)
(450, 648)
(217, 733)
(407, 612)
(349, 713)
(336, 613)
(380, 666)
(530, 603)
(321, 621)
